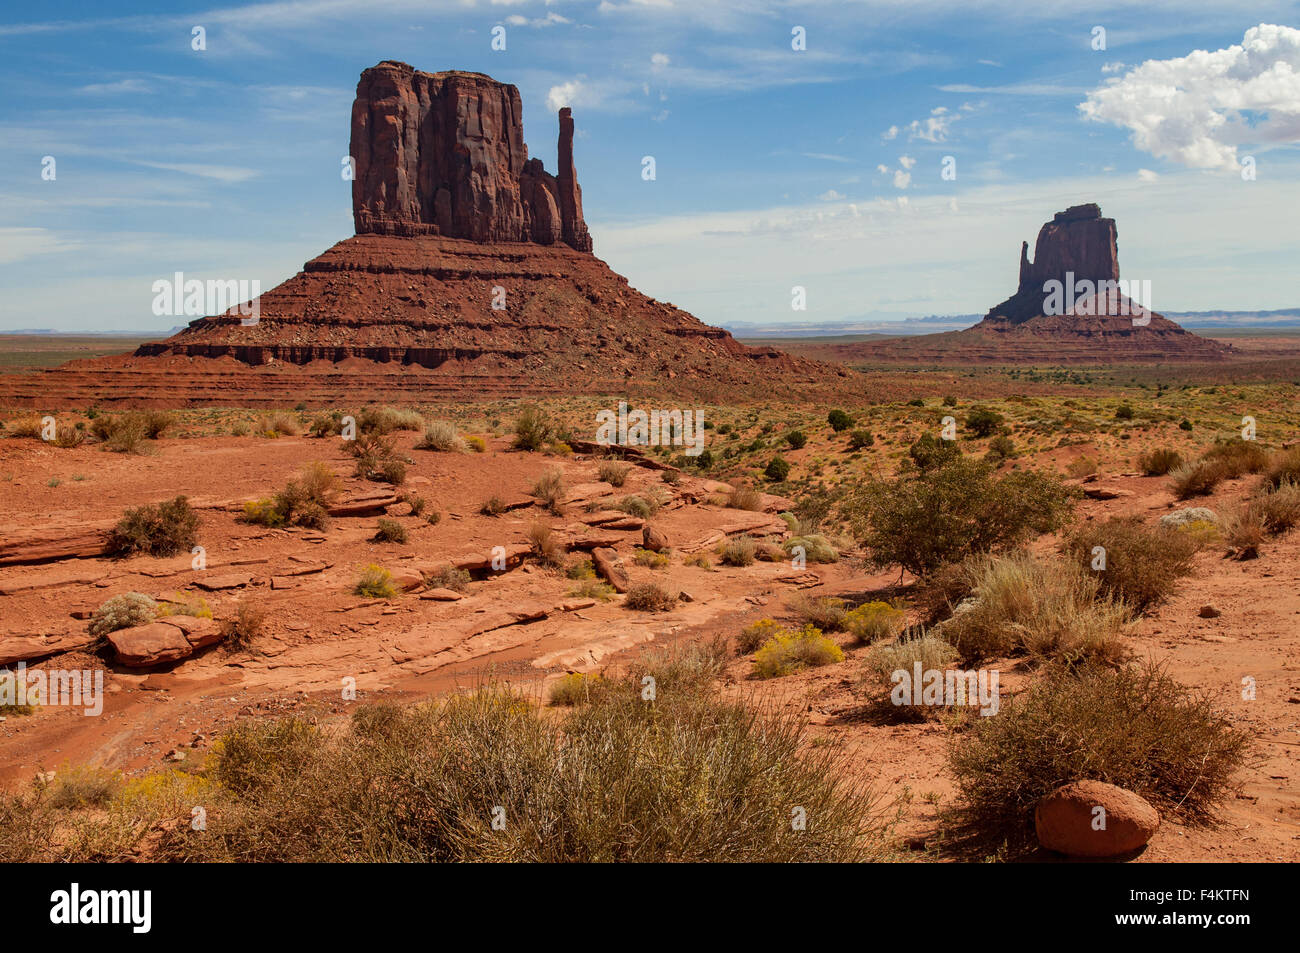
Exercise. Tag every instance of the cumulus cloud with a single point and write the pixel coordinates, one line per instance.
(659, 61)
(933, 128)
(1198, 109)
(902, 179)
(906, 161)
(551, 19)
(830, 195)
(564, 95)
(1146, 175)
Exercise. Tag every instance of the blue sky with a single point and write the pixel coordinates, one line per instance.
(775, 167)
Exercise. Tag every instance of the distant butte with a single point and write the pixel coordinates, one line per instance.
(1077, 246)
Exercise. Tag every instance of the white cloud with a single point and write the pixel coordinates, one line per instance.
(121, 86)
(659, 61)
(906, 161)
(222, 173)
(1198, 109)
(882, 169)
(902, 179)
(1114, 67)
(933, 128)
(19, 243)
(564, 95)
(1146, 175)
(830, 195)
(891, 133)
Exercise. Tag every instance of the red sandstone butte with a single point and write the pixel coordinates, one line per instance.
(444, 154)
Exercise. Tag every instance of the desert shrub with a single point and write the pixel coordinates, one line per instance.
(533, 429)
(883, 660)
(1047, 609)
(930, 452)
(124, 433)
(1283, 467)
(651, 560)
(1001, 448)
(156, 422)
(326, 425)
(574, 688)
(10, 688)
(123, 612)
(922, 521)
(156, 529)
(777, 469)
(84, 786)
(1081, 467)
(788, 652)
(816, 548)
(377, 459)
(1244, 531)
(389, 531)
(546, 546)
(935, 596)
(26, 428)
(874, 621)
(1198, 478)
(756, 633)
(637, 506)
(304, 501)
(649, 597)
(1159, 462)
(613, 472)
(384, 420)
(671, 477)
(476, 444)
(441, 435)
(375, 582)
(1237, 457)
(825, 612)
(276, 424)
(416, 502)
(65, 438)
(550, 489)
(1133, 727)
(983, 422)
(796, 439)
(861, 439)
(181, 604)
(449, 577)
(1276, 508)
(738, 551)
(1142, 563)
(263, 512)
(493, 506)
(688, 778)
(1124, 412)
(744, 497)
(839, 420)
(592, 588)
(698, 560)
(241, 630)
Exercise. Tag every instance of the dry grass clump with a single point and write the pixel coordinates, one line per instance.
(550, 489)
(884, 660)
(181, 604)
(385, 420)
(744, 497)
(613, 472)
(304, 501)
(449, 577)
(1275, 507)
(1134, 727)
(123, 612)
(574, 688)
(737, 552)
(24, 428)
(825, 612)
(442, 436)
(1047, 609)
(156, 529)
(546, 546)
(278, 424)
(1237, 457)
(1283, 467)
(377, 459)
(1198, 478)
(641, 506)
(241, 630)
(592, 588)
(649, 597)
(1142, 563)
(755, 634)
(1159, 462)
(650, 559)
(84, 786)
(787, 652)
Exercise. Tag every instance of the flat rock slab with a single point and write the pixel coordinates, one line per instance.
(442, 595)
(605, 562)
(29, 649)
(216, 583)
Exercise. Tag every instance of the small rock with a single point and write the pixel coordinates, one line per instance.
(654, 539)
(1068, 820)
(1190, 514)
(1209, 612)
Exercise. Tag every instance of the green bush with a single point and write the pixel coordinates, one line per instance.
(789, 652)
(921, 521)
(1159, 462)
(156, 529)
(839, 420)
(124, 611)
(983, 422)
(931, 453)
(533, 429)
(861, 439)
(874, 622)
(389, 531)
(796, 439)
(777, 469)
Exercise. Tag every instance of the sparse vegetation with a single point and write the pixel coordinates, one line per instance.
(737, 552)
(156, 529)
(1159, 462)
(1137, 564)
(123, 611)
(533, 429)
(788, 652)
(375, 582)
(442, 436)
(613, 472)
(550, 489)
(649, 597)
(874, 622)
(389, 531)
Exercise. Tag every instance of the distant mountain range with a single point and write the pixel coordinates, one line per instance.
(894, 324)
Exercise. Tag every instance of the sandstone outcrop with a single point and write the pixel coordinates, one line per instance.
(1094, 819)
(167, 640)
(444, 154)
